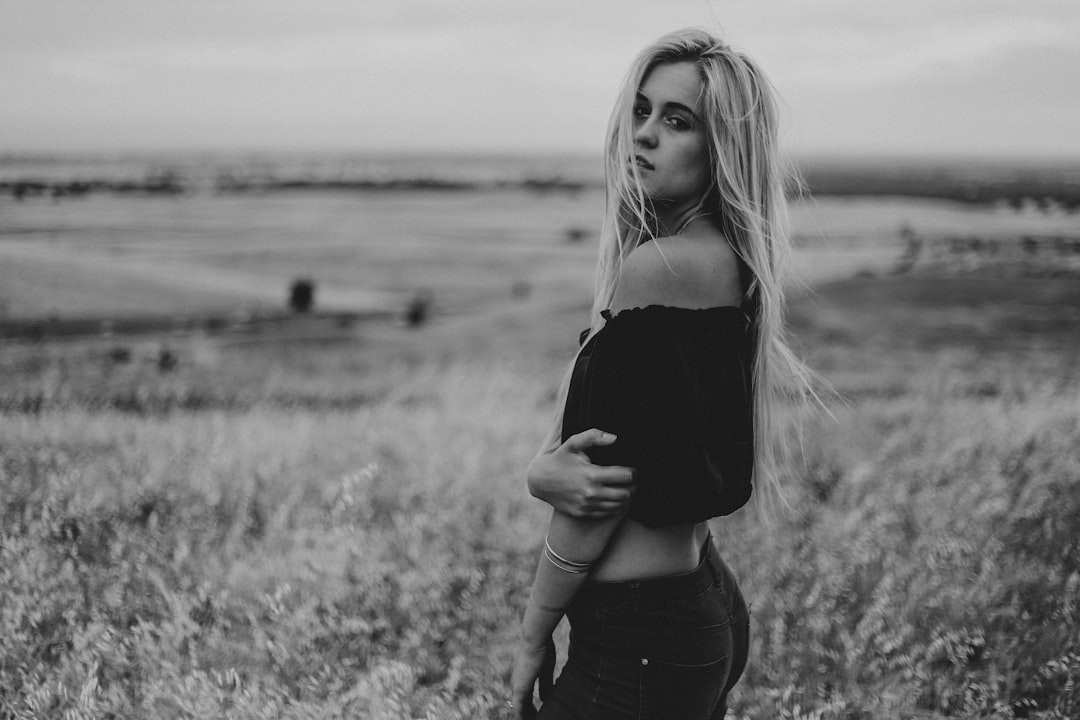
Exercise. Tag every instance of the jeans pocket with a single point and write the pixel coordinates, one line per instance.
(682, 690)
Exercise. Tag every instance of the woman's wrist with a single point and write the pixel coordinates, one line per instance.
(537, 627)
(534, 640)
(537, 481)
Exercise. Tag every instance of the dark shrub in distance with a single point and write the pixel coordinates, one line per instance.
(302, 295)
(418, 309)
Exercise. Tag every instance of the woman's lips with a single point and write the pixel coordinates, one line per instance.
(642, 162)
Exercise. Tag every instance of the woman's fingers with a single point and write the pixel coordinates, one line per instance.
(608, 496)
(587, 439)
(610, 483)
(586, 490)
(609, 491)
(605, 474)
(603, 509)
(522, 704)
(523, 710)
(613, 475)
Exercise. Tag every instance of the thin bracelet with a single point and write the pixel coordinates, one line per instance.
(555, 562)
(564, 561)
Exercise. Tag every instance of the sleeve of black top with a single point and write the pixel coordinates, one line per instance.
(674, 388)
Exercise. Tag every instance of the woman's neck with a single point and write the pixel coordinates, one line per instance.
(674, 219)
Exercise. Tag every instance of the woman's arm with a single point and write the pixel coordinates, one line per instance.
(577, 541)
(565, 478)
(575, 544)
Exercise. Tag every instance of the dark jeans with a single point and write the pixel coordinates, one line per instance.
(666, 647)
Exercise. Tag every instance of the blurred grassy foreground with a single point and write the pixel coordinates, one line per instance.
(342, 530)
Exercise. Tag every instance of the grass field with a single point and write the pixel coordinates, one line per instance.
(334, 523)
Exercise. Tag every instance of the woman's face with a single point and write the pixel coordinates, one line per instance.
(669, 134)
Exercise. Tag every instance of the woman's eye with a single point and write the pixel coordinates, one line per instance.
(641, 111)
(678, 123)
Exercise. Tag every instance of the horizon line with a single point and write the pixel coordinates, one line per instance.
(806, 156)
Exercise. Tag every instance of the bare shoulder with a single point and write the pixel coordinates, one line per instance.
(679, 271)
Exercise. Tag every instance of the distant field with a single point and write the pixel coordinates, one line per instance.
(982, 182)
(193, 255)
(975, 183)
(105, 255)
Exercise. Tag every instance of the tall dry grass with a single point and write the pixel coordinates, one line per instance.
(258, 558)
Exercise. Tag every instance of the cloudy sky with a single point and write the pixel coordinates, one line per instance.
(958, 77)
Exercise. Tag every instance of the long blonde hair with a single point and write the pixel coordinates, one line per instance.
(746, 196)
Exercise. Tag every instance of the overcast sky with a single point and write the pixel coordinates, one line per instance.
(962, 77)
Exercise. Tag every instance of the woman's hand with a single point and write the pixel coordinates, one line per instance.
(565, 479)
(533, 662)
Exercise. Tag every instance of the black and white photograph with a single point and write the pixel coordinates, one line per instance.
(477, 360)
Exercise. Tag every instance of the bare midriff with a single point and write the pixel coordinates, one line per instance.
(637, 551)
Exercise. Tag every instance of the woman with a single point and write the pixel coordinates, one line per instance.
(668, 409)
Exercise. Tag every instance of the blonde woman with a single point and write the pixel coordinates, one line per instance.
(669, 408)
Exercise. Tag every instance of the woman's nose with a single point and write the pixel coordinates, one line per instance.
(645, 133)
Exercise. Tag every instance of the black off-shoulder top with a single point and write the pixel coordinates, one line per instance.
(674, 385)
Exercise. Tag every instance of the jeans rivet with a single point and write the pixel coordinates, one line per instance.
(644, 661)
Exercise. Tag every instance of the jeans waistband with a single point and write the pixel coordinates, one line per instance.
(653, 592)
